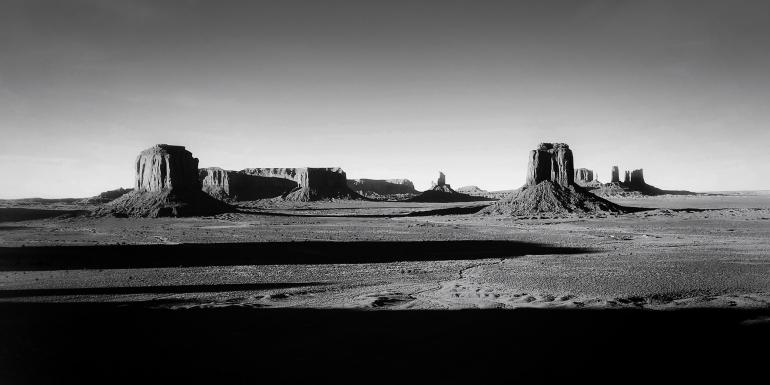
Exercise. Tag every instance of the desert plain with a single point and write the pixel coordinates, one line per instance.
(346, 284)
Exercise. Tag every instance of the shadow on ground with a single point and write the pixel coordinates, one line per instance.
(160, 289)
(263, 253)
(13, 214)
(463, 210)
(107, 343)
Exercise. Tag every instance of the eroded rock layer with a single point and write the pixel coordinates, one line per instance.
(166, 184)
(381, 187)
(584, 175)
(238, 186)
(550, 198)
(553, 162)
(551, 188)
(443, 192)
(166, 167)
(293, 184)
(637, 178)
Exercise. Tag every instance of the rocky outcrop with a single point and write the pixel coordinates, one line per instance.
(584, 175)
(382, 188)
(238, 186)
(442, 192)
(550, 198)
(615, 175)
(633, 185)
(166, 184)
(441, 179)
(637, 178)
(311, 183)
(553, 162)
(166, 167)
(107, 196)
(472, 190)
(551, 188)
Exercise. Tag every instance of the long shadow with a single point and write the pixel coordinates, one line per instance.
(16, 214)
(264, 253)
(424, 213)
(162, 289)
(63, 343)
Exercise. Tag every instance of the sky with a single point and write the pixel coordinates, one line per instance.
(384, 89)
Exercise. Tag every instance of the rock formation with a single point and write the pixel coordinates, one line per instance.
(166, 167)
(239, 186)
(312, 183)
(584, 175)
(615, 175)
(551, 161)
(441, 179)
(550, 188)
(472, 190)
(637, 178)
(107, 196)
(166, 184)
(382, 188)
(442, 192)
(633, 185)
(293, 184)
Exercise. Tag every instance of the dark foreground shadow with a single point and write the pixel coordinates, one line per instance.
(13, 214)
(463, 210)
(78, 343)
(263, 253)
(161, 289)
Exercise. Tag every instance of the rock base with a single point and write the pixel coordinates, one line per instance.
(164, 204)
(551, 198)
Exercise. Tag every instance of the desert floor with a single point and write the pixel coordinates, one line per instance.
(294, 278)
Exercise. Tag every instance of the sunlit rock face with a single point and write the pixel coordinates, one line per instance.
(584, 175)
(165, 167)
(551, 162)
(551, 188)
(637, 178)
(239, 186)
(382, 186)
(166, 185)
(296, 184)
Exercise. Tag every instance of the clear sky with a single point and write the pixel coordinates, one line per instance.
(384, 89)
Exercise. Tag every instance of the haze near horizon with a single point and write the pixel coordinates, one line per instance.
(396, 89)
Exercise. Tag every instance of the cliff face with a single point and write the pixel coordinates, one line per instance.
(296, 184)
(551, 188)
(615, 175)
(584, 175)
(165, 167)
(443, 192)
(637, 178)
(553, 162)
(107, 196)
(381, 186)
(166, 184)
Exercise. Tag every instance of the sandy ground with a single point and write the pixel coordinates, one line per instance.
(375, 255)
(293, 294)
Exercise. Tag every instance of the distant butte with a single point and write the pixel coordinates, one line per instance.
(550, 188)
(633, 184)
(166, 185)
(442, 192)
(291, 184)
